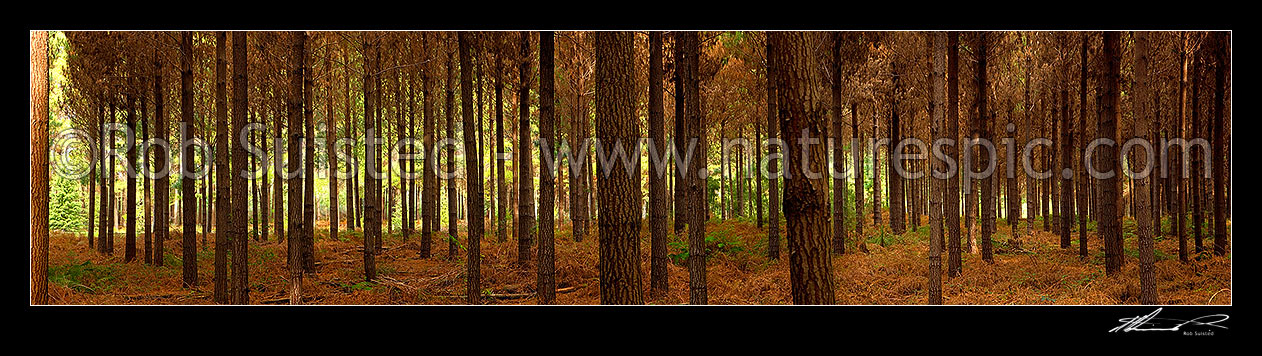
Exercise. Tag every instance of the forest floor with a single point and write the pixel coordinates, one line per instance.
(893, 271)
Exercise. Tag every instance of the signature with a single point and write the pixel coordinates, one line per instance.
(1151, 322)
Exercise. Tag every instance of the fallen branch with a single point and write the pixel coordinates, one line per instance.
(514, 295)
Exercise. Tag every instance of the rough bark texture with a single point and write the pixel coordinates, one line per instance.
(546, 269)
(240, 288)
(1110, 224)
(162, 187)
(937, 184)
(294, 154)
(1221, 42)
(982, 126)
(189, 205)
(223, 192)
(525, 165)
(658, 260)
(951, 205)
(774, 164)
(805, 205)
(39, 167)
(619, 220)
(698, 210)
(473, 176)
(838, 154)
(1143, 216)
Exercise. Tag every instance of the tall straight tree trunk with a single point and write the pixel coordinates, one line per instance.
(774, 164)
(681, 134)
(546, 272)
(308, 162)
(1221, 42)
(658, 284)
(805, 205)
(39, 167)
(898, 218)
(876, 170)
(129, 252)
(295, 186)
(429, 180)
(1198, 164)
(240, 163)
(371, 225)
(94, 177)
(951, 205)
(189, 205)
(1078, 144)
(838, 154)
(1143, 216)
(162, 187)
(1179, 181)
(937, 184)
(987, 204)
(525, 178)
(330, 134)
(473, 175)
(1064, 168)
(698, 209)
(143, 164)
(857, 143)
(1110, 224)
(223, 192)
(617, 128)
(501, 189)
(452, 206)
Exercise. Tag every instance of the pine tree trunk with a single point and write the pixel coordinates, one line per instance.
(773, 127)
(473, 175)
(525, 176)
(838, 154)
(186, 120)
(617, 128)
(658, 285)
(805, 205)
(39, 167)
(1110, 224)
(223, 192)
(951, 206)
(240, 186)
(546, 270)
(1221, 42)
(938, 184)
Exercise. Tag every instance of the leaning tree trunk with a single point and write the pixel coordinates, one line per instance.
(805, 205)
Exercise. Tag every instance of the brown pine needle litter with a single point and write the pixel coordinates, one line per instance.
(739, 272)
